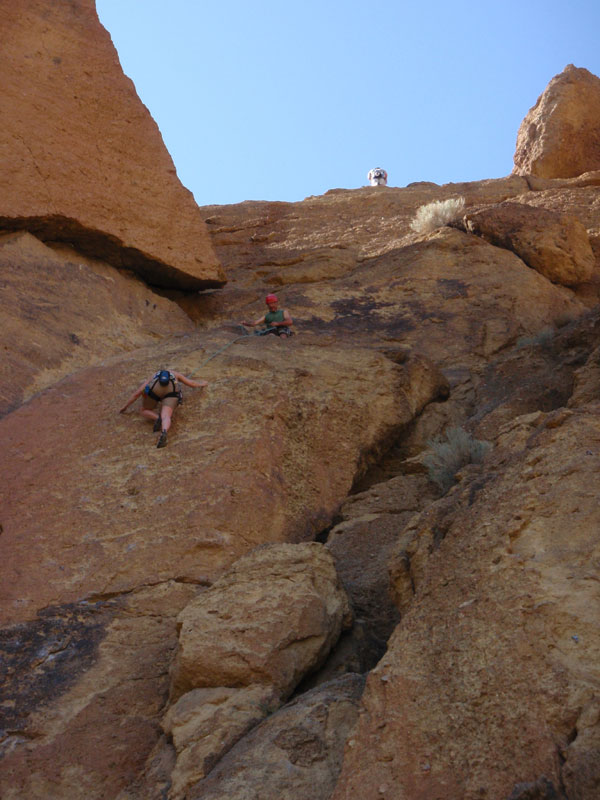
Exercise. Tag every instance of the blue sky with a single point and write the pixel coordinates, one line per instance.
(282, 100)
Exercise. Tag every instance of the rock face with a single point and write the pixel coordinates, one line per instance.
(557, 246)
(82, 160)
(205, 723)
(304, 424)
(362, 544)
(110, 547)
(295, 754)
(499, 691)
(560, 137)
(271, 619)
(45, 338)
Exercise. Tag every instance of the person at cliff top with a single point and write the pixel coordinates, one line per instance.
(277, 321)
(377, 177)
(162, 388)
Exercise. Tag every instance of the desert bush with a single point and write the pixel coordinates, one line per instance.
(449, 454)
(437, 214)
(542, 337)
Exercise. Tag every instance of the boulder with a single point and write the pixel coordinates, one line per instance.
(83, 161)
(559, 137)
(295, 754)
(556, 245)
(270, 619)
(205, 723)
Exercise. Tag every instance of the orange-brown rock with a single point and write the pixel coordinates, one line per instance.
(582, 202)
(104, 539)
(62, 311)
(559, 137)
(491, 677)
(95, 517)
(266, 454)
(556, 245)
(82, 159)
(270, 619)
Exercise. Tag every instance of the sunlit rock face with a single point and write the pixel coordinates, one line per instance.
(560, 135)
(82, 159)
(556, 245)
(112, 548)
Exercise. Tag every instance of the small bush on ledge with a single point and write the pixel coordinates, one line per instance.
(542, 338)
(449, 454)
(437, 214)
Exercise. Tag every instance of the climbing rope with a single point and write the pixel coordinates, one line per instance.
(245, 335)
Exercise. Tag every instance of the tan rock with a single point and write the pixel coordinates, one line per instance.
(205, 723)
(83, 161)
(295, 754)
(493, 672)
(273, 241)
(581, 202)
(559, 136)
(61, 311)
(271, 619)
(556, 246)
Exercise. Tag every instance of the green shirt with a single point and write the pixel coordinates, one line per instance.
(273, 316)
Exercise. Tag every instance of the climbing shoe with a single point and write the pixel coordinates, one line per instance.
(162, 441)
(157, 425)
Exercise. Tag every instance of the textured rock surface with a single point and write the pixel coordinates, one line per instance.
(82, 159)
(556, 246)
(496, 693)
(61, 311)
(271, 619)
(450, 295)
(266, 455)
(295, 754)
(490, 685)
(361, 545)
(559, 137)
(83, 693)
(205, 723)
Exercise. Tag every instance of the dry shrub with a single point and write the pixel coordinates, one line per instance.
(448, 455)
(437, 214)
(542, 338)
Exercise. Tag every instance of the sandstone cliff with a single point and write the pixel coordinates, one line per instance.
(82, 160)
(289, 600)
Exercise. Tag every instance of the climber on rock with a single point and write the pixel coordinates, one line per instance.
(277, 321)
(377, 177)
(162, 388)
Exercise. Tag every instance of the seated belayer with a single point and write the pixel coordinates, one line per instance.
(277, 321)
(162, 388)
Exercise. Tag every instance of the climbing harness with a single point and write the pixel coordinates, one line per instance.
(164, 378)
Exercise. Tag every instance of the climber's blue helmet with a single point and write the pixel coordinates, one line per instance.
(164, 377)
